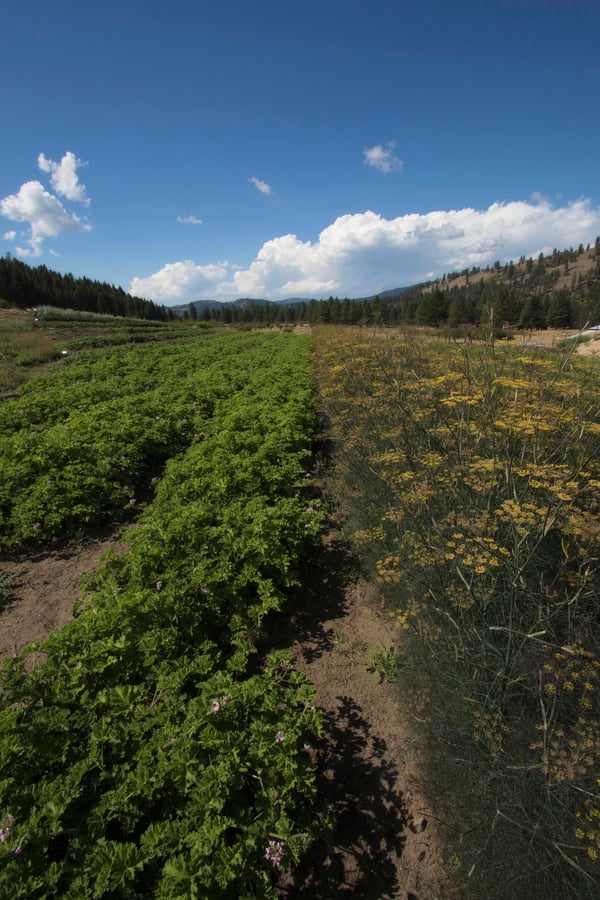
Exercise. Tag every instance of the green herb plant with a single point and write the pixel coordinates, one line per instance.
(154, 753)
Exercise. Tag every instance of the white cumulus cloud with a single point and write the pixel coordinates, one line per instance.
(382, 158)
(364, 253)
(189, 220)
(261, 186)
(180, 282)
(9, 235)
(44, 213)
(64, 178)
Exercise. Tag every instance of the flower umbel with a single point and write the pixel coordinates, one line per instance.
(5, 829)
(216, 704)
(274, 853)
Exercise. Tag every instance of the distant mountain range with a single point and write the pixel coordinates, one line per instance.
(246, 302)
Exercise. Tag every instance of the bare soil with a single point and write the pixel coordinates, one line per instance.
(551, 337)
(47, 586)
(385, 841)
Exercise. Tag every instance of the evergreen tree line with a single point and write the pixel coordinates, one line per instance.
(30, 286)
(526, 295)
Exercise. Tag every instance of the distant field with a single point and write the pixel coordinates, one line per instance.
(28, 341)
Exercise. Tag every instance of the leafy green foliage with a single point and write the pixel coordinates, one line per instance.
(7, 579)
(386, 663)
(151, 754)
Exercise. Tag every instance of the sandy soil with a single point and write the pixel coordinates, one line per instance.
(385, 841)
(552, 336)
(47, 585)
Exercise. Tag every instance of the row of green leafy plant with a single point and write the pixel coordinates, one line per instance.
(83, 444)
(34, 339)
(470, 476)
(153, 753)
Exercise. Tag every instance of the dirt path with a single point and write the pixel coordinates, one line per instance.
(47, 585)
(551, 337)
(384, 844)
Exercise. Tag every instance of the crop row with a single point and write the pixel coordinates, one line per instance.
(81, 445)
(471, 477)
(152, 754)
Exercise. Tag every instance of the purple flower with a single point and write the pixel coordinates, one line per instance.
(280, 737)
(219, 704)
(18, 850)
(5, 827)
(274, 852)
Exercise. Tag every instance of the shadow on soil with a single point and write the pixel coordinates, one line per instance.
(355, 782)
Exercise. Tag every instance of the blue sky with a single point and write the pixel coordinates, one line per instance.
(190, 150)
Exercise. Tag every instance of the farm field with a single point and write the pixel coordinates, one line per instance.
(437, 719)
(153, 752)
(469, 477)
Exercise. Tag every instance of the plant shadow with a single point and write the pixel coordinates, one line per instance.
(368, 816)
(356, 782)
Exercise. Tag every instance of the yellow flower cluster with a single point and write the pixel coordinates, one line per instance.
(478, 554)
(462, 400)
(524, 517)
(472, 479)
(570, 703)
(490, 729)
(368, 535)
(589, 830)
(523, 422)
(574, 671)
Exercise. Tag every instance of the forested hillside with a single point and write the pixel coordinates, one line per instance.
(26, 286)
(561, 290)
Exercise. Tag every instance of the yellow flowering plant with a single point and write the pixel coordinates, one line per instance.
(469, 476)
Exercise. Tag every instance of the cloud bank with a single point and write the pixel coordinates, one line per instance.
(42, 211)
(363, 253)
